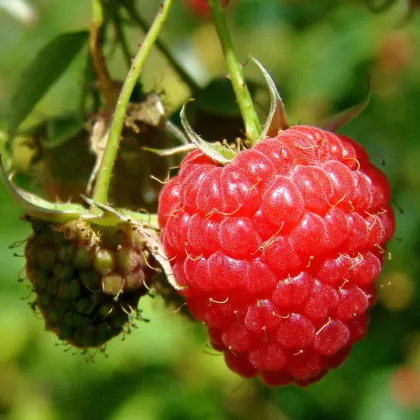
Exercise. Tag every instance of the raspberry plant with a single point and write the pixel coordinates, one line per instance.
(275, 240)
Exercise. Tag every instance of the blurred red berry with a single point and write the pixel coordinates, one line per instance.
(200, 8)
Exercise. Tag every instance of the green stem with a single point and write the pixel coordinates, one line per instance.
(183, 74)
(97, 13)
(100, 193)
(246, 106)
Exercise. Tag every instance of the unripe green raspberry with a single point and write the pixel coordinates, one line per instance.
(87, 279)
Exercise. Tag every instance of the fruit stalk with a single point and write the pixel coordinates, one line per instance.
(100, 193)
(246, 106)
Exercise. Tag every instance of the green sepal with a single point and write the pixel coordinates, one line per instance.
(215, 151)
(335, 122)
(148, 232)
(171, 151)
(107, 216)
(277, 117)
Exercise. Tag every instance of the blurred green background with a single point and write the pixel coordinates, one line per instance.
(321, 54)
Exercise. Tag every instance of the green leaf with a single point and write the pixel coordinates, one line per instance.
(41, 73)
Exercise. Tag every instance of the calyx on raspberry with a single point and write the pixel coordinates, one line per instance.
(278, 249)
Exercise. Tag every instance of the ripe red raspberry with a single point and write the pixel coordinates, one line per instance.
(279, 250)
